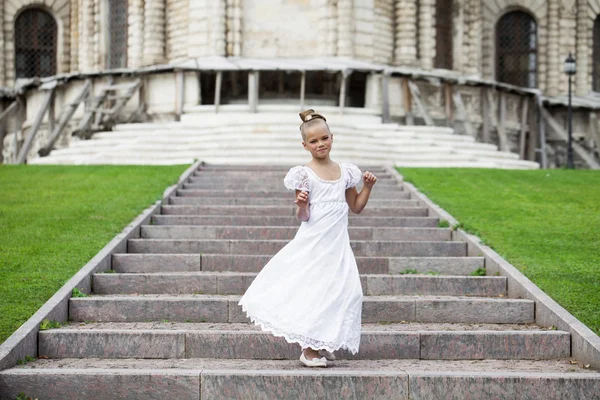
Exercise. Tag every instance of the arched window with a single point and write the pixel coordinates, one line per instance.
(516, 49)
(35, 44)
(443, 34)
(117, 25)
(596, 57)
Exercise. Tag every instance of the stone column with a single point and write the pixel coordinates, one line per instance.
(234, 27)
(583, 54)
(345, 28)
(74, 35)
(554, 62)
(86, 36)
(2, 52)
(135, 33)
(405, 52)
(473, 37)
(328, 29)
(218, 39)
(154, 37)
(426, 33)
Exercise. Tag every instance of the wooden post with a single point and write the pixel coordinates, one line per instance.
(385, 91)
(485, 116)
(19, 127)
(302, 90)
(524, 129)
(593, 122)
(343, 88)
(218, 81)
(534, 129)
(199, 76)
(52, 113)
(179, 94)
(22, 157)
(2, 133)
(407, 102)
(501, 119)
(462, 114)
(253, 91)
(448, 104)
(416, 95)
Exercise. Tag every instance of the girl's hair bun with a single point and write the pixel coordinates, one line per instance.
(309, 115)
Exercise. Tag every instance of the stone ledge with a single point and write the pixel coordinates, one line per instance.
(24, 341)
(585, 344)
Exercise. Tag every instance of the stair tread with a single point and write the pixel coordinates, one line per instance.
(235, 297)
(562, 367)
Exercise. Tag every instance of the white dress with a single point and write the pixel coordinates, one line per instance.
(310, 291)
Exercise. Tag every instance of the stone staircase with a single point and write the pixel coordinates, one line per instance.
(165, 323)
(273, 138)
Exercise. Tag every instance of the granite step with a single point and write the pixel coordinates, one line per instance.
(239, 174)
(221, 308)
(288, 233)
(195, 379)
(279, 193)
(272, 168)
(271, 247)
(148, 263)
(243, 201)
(265, 220)
(289, 210)
(241, 341)
(259, 181)
(269, 186)
(227, 283)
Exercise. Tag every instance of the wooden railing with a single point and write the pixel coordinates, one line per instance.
(513, 118)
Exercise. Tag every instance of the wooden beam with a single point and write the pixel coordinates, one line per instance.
(407, 102)
(52, 113)
(534, 129)
(462, 113)
(218, 82)
(385, 90)
(503, 139)
(302, 90)
(485, 116)
(448, 104)
(199, 76)
(416, 95)
(9, 110)
(253, 91)
(542, 133)
(593, 122)
(34, 128)
(64, 119)
(524, 127)
(343, 89)
(19, 127)
(559, 130)
(179, 94)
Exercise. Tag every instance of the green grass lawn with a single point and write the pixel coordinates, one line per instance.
(54, 219)
(546, 223)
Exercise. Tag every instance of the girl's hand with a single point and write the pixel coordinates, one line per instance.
(302, 200)
(369, 179)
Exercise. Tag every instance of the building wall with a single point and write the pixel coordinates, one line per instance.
(397, 32)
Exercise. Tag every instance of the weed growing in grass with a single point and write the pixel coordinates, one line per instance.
(110, 271)
(435, 273)
(203, 320)
(47, 324)
(443, 224)
(408, 271)
(478, 272)
(23, 396)
(25, 360)
(78, 293)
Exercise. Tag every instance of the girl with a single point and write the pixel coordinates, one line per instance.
(310, 291)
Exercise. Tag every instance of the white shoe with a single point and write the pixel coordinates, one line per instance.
(315, 362)
(327, 354)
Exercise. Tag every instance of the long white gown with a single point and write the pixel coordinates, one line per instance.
(310, 291)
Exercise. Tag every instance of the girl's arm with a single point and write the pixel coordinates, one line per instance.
(357, 201)
(303, 212)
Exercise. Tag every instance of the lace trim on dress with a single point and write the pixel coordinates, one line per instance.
(351, 333)
(353, 175)
(297, 179)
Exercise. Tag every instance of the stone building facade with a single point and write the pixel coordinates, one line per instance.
(461, 35)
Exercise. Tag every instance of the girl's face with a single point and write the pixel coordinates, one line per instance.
(318, 141)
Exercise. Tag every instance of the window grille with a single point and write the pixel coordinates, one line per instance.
(117, 23)
(596, 57)
(516, 49)
(35, 44)
(443, 34)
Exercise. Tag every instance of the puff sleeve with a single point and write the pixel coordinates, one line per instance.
(353, 175)
(297, 178)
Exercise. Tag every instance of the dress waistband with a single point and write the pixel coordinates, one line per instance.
(326, 201)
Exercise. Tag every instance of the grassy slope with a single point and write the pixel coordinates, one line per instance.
(546, 223)
(53, 219)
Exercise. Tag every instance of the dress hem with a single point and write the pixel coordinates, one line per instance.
(302, 340)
